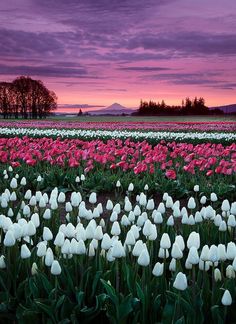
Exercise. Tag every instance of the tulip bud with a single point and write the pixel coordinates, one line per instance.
(161, 208)
(231, 221)
(150, 204)
(91, 252)
(25, 252)
(47, 234)
(106, 242)
(118, 250)
(81, 248)
(13, 196)
(165, 241)
(28, 194)
(226, 298)
(9, 239)
(205, 253)
(93, 198)
(193, 240)
(225, 205)
(55, 268)
(213, 254)
(109, 205)
(158, 269)
(196, 188)
(118, 184)
(98, 234)
(2, 262)
(138, 247)
(231, 251)
(137, 211)
(142, 199)
(114, 216)
(144, 258)
(230, 273)
(61, 197)
(41, 249)
(203, 200)
(34, 269)
(169, 202)
(130, 239)
(176, 251)
(180, 241)
(128, 206)
(191, 203)
(217, 275)
(13, 183)
(180, 282)
(193, 256)
(213, 197)
(59, 239)
(170, 221)
(125, 221)
(172, 265)
(23, 181)
(115, 229)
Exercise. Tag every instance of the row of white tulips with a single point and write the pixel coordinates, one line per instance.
(123, 134)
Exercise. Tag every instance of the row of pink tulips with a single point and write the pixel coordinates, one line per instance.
(137, 125)
(170, 157)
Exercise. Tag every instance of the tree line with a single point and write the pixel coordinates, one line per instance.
(195, 106)
(26, 98)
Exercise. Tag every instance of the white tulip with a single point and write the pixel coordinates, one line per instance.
(93, 198)
(225, 205)
(106, 242)
(2, 262)
(172, 265)
(25, 252)
(217, 275)
(165, 241)
(144, 258)
(47, 234)
(59, 239)
(41, 249)
(115, 229)
(180, 282)
(176, 251)
(226, 299)
(55, 268)
(158, 269)
(213, 197)
(9, 239)
(109, 205)
(231, 221)
(118, 250)
(13, 183)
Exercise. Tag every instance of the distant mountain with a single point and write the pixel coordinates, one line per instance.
(227, 109)
(114, 109)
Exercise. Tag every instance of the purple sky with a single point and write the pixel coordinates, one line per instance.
(97, 52)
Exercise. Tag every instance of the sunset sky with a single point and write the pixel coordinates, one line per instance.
(96, 52)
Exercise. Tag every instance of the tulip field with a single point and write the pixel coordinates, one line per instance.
(117, 222)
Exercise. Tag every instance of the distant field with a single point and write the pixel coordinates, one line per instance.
(147, 118)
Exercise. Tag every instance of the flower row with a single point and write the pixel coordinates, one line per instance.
(119, 134)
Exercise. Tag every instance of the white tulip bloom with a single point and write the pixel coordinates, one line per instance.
(55, 268)
(25, 252)
(226, 299)
(180, 282)
(144, 258)
(158, 269)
